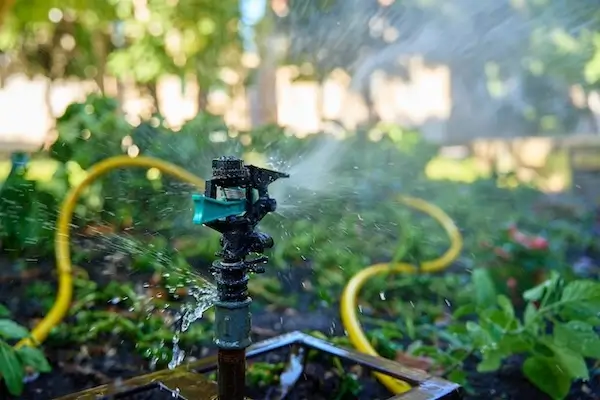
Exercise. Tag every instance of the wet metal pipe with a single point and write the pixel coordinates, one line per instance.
(232, 328)
(231, 374)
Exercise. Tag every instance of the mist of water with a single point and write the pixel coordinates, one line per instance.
(312, 173)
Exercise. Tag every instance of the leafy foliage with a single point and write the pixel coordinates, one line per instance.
(556, 334)
(15, 362)
(124, 39)
(26, 214)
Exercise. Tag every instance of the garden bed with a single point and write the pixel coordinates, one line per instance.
(78, 367)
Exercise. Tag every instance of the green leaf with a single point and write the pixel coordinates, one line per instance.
(582, 291)
(479, 335)
(463, 311)
(580, 300)
(11, 330)
(546, 375)
(497, 322)
(492, 360)
(530, 314)
(11, 369)
(514, 344)
(578, 336)
(536, 293)
(34, 358)
(4, 312)
(506, 305)
(485, 290)
(458, 376)
(572, 364)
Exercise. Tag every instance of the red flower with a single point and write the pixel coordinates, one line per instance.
(538, 243)
(530, 242)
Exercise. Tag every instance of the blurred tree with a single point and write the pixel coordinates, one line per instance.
(565, 39)
(5, 6)
(564, 45)
(58, 39)
(197, 37)
(140, 40)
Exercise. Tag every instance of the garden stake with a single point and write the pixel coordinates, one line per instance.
(236, 199)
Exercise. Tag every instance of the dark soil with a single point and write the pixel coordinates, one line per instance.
(321, 381)
(510, 383)
(75, 369)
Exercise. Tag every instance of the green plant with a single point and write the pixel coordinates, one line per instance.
(15, 363)
(557, 333)
(26, 212)
(262, 374)
(518, 260)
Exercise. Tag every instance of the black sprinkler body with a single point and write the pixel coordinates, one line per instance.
(236, 199)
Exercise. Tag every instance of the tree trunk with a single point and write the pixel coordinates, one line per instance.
(100, 51)
(153, 91)
(5, 6)
(203, 88)
(48, 102)
(121, 95)
(321, 100)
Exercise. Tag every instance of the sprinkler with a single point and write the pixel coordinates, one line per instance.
(236, 199)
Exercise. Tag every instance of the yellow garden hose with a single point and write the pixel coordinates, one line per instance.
(349, 297)
(348, 306)
(62, 243)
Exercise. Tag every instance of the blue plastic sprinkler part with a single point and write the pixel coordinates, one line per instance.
(18, 161)
(208, 210)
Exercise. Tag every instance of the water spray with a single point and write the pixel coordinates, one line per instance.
(236, 199)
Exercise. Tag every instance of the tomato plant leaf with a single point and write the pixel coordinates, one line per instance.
(4, 312)
(546, 375)
(578, 336)
(571, 363)
(11, 369)
(485, 290)
(11, 330)
(582, 291)
(506, 305)
(492, 360)
(34, 358)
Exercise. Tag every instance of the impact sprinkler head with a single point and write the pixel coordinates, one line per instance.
(236, 199)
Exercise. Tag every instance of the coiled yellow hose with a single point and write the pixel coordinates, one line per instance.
(349, 296)
(348, 306)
